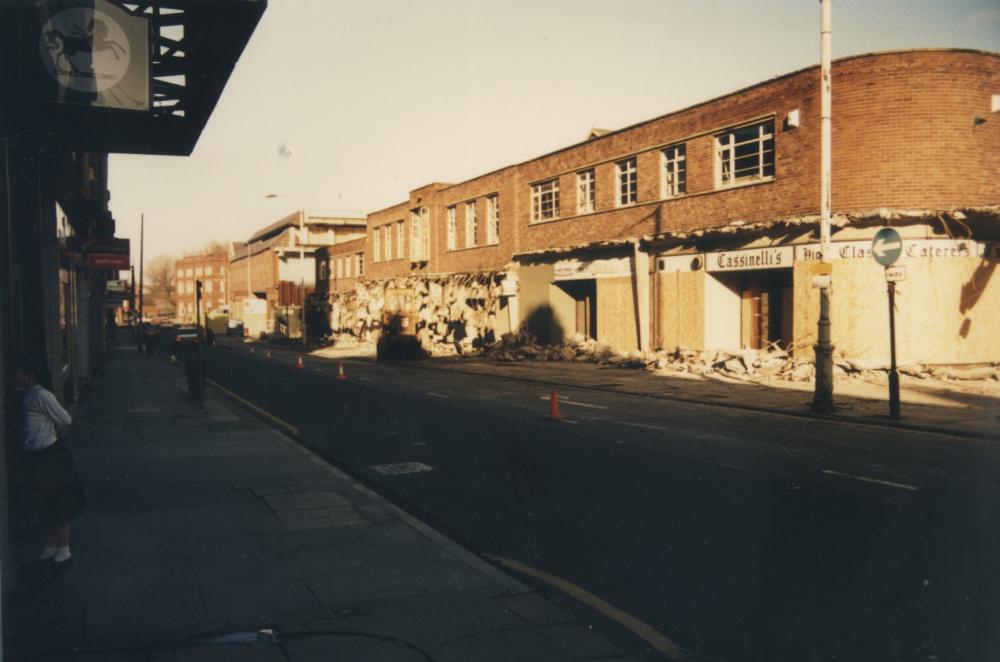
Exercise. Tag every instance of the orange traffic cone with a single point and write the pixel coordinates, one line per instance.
(554, 414)
(340, 373)
(299, 363)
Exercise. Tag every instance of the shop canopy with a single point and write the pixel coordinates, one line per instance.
(137, 76)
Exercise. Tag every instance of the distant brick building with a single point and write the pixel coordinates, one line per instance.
(699, 228)
(277, 278)
(211, 271)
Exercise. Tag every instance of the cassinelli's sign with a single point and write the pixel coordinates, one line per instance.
(754, 258)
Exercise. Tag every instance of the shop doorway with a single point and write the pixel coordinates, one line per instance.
(584, 295)
(766, 308)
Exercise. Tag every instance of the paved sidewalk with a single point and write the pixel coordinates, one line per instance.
(205, 525)
(964, 408)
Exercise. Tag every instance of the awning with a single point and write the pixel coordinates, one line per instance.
(190, 49)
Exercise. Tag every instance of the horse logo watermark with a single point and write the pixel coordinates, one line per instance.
(84, 50)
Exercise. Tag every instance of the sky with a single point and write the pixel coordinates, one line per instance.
(347, 106)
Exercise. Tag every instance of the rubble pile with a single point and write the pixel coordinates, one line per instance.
(748, 364)
(449, 314)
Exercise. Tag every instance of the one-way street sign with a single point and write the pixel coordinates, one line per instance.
(887, 246)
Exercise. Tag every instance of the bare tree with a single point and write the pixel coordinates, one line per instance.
(159, 279)
(214, 248)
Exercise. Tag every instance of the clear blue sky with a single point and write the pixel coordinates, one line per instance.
(348, 106)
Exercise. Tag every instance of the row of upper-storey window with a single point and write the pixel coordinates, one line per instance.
(388, 241)
(742, 155)
(188, 286)
(198, 271)
(345, 266)
(471, 218)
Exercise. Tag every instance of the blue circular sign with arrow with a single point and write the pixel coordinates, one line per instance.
(886, 246)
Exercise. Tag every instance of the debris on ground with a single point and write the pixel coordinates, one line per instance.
(747, 364)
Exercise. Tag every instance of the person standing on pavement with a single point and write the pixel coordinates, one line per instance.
(48, 465)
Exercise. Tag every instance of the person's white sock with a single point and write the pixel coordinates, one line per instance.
(62, 555)
(47, 553)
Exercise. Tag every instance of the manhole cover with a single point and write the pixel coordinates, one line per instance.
(401, 468)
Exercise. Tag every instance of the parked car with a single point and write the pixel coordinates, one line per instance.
(235, 328)
(186, 337)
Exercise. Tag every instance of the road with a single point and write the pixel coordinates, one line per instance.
(736, 535)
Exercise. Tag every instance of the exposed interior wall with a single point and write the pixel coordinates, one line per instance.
(616, 313)
(722, 311)
(681, 306)
(535, 300)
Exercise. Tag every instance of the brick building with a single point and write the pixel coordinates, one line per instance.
(700, 228)
(211, 271)
(282, 265)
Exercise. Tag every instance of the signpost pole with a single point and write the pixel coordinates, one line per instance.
(200, 390)
(893, 373)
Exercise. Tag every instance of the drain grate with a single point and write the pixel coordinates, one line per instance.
(401, 468)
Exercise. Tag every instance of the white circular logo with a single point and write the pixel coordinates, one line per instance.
(84, 50)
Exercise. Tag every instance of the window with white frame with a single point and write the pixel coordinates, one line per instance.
(493, 219)
(208, 270)
(400, 239)
(359, 264)
(470, 224)
(425, 232)
(586, 189)
(627, 181)
(208, 286)
(745, 154)
(452, 228)
(420, 234)
(674, 180)
(338, 268)
(545, 201)
(387, 229)
(376, 245)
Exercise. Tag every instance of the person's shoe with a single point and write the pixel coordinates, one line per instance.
(47, 554)
(62, 556)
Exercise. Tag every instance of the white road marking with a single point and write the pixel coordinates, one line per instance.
(567, 401)
(645, 426)
(364, 379)
(400, 468)
(865, 479)
(436, 395)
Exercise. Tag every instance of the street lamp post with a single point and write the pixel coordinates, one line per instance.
(823, 397)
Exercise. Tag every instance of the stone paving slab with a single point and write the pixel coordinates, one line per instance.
(197, 532)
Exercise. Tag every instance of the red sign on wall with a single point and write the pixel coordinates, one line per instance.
(108, 261)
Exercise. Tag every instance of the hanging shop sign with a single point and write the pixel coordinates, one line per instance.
(755, 258)
(109, 254)
(573, 269)
(97, 54)
(912, 248)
